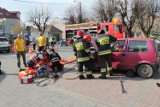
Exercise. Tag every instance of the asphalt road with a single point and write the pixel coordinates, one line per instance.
(75, 93)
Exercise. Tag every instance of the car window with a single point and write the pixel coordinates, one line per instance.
(138, 46)
(3, 40)
(119, 46)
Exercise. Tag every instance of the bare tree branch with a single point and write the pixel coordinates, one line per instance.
(146, 15)
(39, 17)
(104, 10)
(76, 14)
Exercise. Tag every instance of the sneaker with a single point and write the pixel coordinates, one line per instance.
(56, 76)
(110, 73)
(102, 77)
(21, 69)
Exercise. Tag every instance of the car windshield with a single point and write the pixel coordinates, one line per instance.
(3, 39)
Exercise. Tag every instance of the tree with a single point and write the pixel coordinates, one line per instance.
(17, 29)
(76, 14)
(128, 14)
(39, 17)
(146, 15)
(71, 15)
(104, 10)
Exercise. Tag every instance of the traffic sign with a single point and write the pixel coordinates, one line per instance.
(115, 20)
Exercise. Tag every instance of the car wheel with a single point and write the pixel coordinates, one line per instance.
(145, 71)
(130, 74)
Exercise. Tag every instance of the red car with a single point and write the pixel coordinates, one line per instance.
(136, 55)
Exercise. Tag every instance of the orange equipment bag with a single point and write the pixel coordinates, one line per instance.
(28, 71)
(66, 61)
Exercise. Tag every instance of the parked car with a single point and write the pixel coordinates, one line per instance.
(136, 55)
(4, 44)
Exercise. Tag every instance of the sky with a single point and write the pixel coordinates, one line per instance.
(57, 7)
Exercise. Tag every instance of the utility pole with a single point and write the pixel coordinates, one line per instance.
(80, 17)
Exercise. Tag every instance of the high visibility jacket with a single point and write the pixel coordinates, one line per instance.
(50, 39)
(103, 42)
(82, 50)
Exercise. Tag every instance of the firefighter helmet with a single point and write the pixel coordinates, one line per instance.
(80, 32)
(87, 37)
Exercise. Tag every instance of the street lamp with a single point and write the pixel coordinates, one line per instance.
(80, 12)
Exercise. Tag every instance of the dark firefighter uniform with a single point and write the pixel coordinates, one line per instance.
(54, 60)
(103, 42)
(82, 53)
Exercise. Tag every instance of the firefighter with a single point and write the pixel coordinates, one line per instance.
(103, 42)
(82, 53)
(54, 59)
(78, 35)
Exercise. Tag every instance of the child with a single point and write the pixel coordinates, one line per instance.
(54, 60)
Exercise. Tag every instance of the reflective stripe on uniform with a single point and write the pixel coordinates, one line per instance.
(104, 52)
(103, 40)
(79, 73)
(79, 46)
(109, 68)
(88, 72)
(87, 50)
(103, 70)
(83, 59)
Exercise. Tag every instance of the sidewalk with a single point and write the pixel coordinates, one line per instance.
(75, 93)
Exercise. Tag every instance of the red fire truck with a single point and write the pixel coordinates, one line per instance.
(116, 30)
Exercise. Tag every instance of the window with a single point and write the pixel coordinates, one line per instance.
(105, 28)
(118, 28)
(3, 39)
(138, 46)
(119, 46)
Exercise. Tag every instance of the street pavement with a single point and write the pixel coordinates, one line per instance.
(75, 93)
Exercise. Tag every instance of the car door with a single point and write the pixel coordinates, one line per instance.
(136, 53)
(118, 54)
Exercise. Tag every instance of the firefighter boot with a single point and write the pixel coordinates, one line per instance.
(81, 77)
(110, 72)
(103, 76)
(90, 76)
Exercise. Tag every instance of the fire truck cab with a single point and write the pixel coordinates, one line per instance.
(116, 30)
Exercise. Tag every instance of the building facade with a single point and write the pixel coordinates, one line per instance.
(8, 19)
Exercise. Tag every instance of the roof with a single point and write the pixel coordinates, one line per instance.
(8, 14)
(49, 28)
(134, 39)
